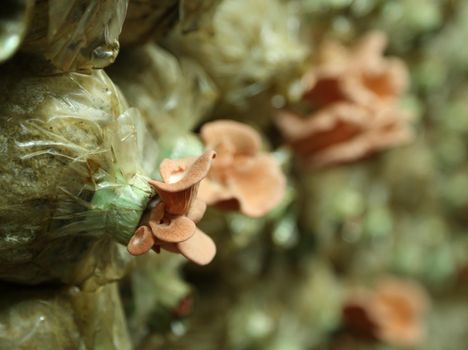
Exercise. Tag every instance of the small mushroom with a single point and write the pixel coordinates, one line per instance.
(171, 223)
(392, 312)
(242, 178)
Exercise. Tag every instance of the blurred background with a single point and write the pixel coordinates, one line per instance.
(339, 204)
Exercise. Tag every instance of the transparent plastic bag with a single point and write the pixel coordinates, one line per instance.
(75, 35)
(172, 95)
(46, 318)
(152, 19)
(147, 311)
(195, 14)
(72, 177)
(250, 45)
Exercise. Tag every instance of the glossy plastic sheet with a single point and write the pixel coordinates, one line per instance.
(149, 311)
(75, 35)
(173, 95)
(152, 19)
(248, 45)
(44, 318)
(71, 175)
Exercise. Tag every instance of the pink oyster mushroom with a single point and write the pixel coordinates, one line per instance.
(243, 177)
(170, 225)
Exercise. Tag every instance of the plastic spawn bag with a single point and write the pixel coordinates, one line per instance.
(152, 19)
(249, 45)
(75, 35)
(149, 312)
(172, 95)
(71, 177)
(62, 318)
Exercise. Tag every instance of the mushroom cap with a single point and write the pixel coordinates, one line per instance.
(196, 210)
(344, 132)
(181, 180)
(258, 185)
(231, 137)
(199, 249)
(242, 178)
(180, 175)
(141, 241)
(180, 228)
(392, 312)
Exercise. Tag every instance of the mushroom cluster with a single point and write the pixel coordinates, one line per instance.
(393, 312)
(170, 224)
(352, 95)
(242, 178)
